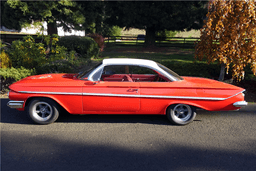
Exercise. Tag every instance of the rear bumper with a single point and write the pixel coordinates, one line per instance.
(240, 104)
(15, 104)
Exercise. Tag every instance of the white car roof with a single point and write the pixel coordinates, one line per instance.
(127, 61)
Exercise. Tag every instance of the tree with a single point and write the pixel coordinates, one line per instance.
(229, 36)
(64, 13)
(154, 16)
(93, 12)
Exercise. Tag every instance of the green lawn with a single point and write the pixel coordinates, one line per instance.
(178, 59)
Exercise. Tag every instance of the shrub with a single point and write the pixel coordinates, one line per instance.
(162, 35)
(85, 46)
(10, 75)
(4, 60)
(99, 39)
(53, 50)
(27, 53)
(114, 31)
(16, 73)
(193, 69)
(71, 64)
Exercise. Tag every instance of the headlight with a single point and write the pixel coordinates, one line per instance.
(243, 94)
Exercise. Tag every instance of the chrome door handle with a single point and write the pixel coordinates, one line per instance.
(136, 90)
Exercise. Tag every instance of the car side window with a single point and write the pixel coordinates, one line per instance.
(114, 69)
(117, 73)
(141, 70)
(131, 73)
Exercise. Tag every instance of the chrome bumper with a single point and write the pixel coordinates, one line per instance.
(15, 104)
(240, 104)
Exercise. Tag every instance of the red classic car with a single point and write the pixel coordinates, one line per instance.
(123, 86)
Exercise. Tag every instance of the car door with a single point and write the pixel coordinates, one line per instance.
(114, 92)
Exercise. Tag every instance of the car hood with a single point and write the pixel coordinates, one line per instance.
(37, 82)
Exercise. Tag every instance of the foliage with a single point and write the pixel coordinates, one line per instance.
(72, 64)
(54, 51)
(85, 46)
(16, 73)
(229, 35)
(4, 59)
(99, 39)
(94, 15)
(162, 35)
(27, 53)
(114, 31)
(18, 13)
(155, 16)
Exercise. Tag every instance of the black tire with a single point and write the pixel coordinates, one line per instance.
(181, 114)
(43, 111)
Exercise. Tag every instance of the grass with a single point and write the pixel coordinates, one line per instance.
(169, 42)
(178, 59)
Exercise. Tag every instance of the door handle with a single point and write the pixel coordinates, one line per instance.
(135, 90)
(132, 90)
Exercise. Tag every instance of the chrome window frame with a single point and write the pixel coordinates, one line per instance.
(157, 68)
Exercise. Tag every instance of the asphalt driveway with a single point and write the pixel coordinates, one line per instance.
(214, 141)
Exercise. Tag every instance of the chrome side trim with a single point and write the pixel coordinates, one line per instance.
(235, 94)
(43, 92)
(131, 95)
(15, 104)
(240, 104)
(153, 96)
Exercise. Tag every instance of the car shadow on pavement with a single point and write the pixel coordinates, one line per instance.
(77, 151)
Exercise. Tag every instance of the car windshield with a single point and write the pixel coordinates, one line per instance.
(170, 72)
(87, 72)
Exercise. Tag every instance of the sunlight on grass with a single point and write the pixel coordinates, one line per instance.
(179, 60)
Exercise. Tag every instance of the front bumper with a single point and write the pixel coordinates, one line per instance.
(240, 104)
(15, 104)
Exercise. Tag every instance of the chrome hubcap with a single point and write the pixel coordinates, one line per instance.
(42, 111)
(182, 112)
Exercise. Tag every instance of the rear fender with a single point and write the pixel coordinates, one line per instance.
(187, 103)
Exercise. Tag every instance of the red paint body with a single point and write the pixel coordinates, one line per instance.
(87, 97)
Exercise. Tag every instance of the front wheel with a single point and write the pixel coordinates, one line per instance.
(43, 111)
(181, 114)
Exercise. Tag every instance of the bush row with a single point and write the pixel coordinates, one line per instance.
(23, 58)
(85, 46)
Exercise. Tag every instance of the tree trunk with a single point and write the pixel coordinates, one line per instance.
(150, 37)
(52, 28)
(222, 72)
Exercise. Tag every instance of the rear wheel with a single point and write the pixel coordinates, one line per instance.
(181, 114)
(43, 111)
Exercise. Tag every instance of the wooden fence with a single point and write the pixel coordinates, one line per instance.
(121, 40)
(160, 41)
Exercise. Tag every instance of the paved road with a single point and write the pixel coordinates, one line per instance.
(214, 141)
